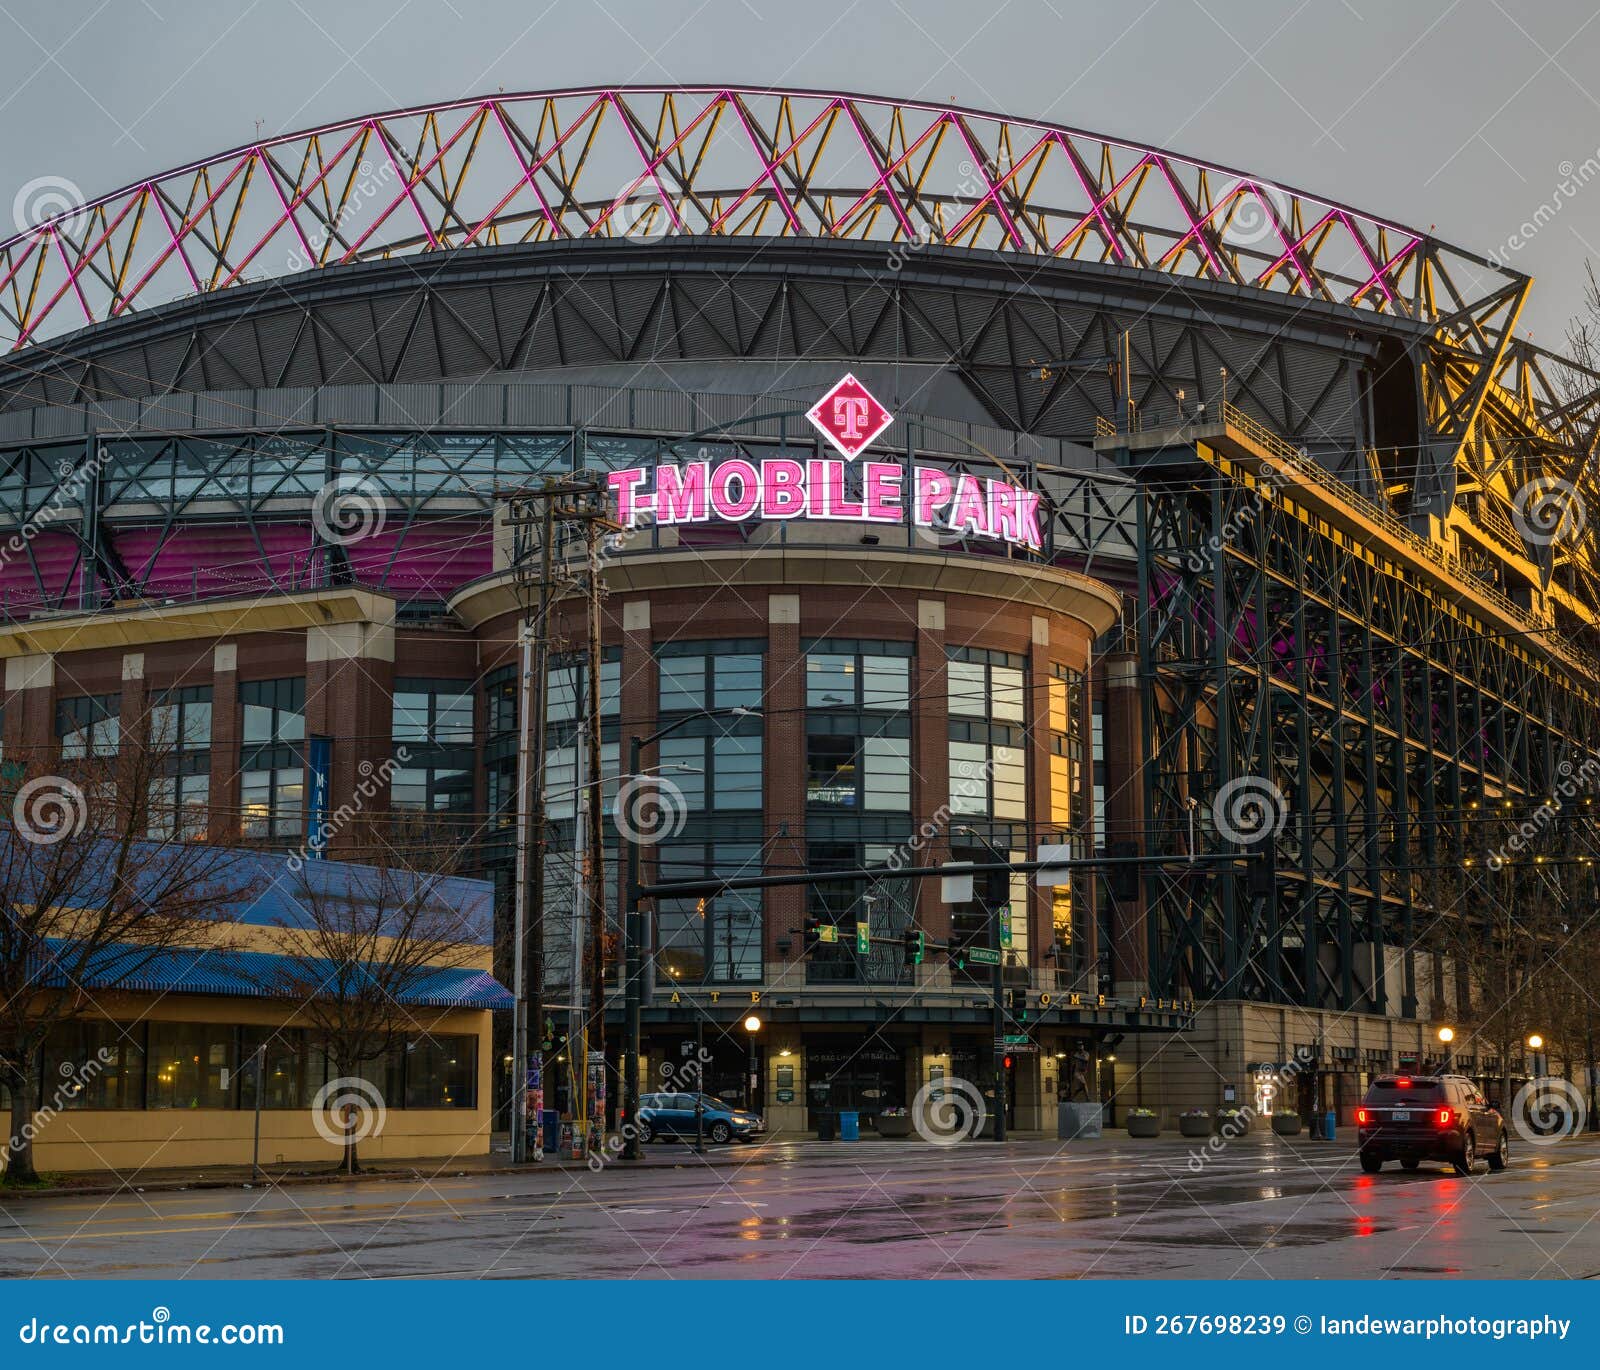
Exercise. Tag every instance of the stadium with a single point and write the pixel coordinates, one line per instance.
(1244, 508)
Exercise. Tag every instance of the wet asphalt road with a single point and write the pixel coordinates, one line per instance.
(1111, 1209)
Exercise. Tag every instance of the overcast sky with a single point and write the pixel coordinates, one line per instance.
(1459, 115)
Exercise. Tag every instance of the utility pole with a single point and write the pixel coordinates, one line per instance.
(527, 1052)
(594, 793)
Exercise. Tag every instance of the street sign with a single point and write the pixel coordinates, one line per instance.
(1049, 876)
(828, 932)
(1004, 915)
(1018, 1039)
(863, 939)
(984, 956)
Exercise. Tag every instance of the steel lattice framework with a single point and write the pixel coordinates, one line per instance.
(719, 162)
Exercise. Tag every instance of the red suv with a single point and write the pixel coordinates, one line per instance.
(1416, 1118)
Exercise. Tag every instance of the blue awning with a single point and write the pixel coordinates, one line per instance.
(253, 975)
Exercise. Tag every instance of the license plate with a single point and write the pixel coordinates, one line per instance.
(1401, 1115)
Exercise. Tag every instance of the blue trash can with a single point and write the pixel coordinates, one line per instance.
(849, 1125)
(550, 1126)
(1330, 1125)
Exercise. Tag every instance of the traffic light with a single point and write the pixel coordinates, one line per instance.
(1007, 1063)
(919, 947)
(817, 932)
(1017, 1004)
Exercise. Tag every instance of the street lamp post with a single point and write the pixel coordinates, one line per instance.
(752, 1025)
(632, 933)
(1447, 1035)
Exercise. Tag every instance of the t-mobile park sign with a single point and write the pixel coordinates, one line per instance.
(736, 490)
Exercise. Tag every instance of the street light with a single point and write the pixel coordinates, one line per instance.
(752, 1025)
(632, 929)
(1446, 1036)
(1535, 1045)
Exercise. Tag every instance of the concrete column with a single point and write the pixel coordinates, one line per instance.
(224, 789)
(1125, 780)
(640, 692)
(30, 724)
(930, 768)
(349, 698)
(784, 780)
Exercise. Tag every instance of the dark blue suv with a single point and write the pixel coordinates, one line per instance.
(672, 1115)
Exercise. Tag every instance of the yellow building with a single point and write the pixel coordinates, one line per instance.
(170, 1062)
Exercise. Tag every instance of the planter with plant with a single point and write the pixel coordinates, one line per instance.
(893, 1122)
(1232, 1122)
(1144, 1122)
(1194, 1122)
(1286, 1123)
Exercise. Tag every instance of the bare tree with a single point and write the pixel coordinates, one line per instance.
(363, 940)
(91, 900)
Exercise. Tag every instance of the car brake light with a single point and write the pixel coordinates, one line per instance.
(1446, 1117)
(1403, 1082)
(1361, 1116)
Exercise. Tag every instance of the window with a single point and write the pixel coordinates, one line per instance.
(710, 675)
(441, 1072)
(282, 1068)
(720, 770)
(561, 779)
(191, 1065)
(89, 725)
(566, 683)
(180, 719)
(848, 674)
(987, 779)
(984, 684)
(858, 737)
(89, 1064)
(716, 939)
(272, 779)
(274, 711)
(435, 712)
(433, 746)
(862, 773)
(886, 905)
(180, 730)
(179, 807)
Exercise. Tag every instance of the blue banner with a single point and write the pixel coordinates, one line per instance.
(319, 765)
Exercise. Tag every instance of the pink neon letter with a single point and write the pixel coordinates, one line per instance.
(681, 493)
(883, 492)
(723, 502)
(623, 484)
(783, 491)
(933, 493)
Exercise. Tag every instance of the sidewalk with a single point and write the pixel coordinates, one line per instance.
(776, 1150)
